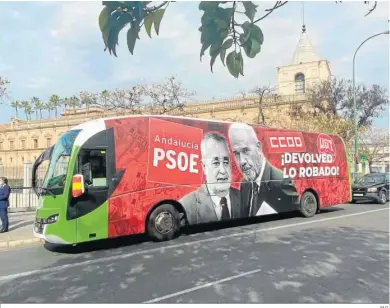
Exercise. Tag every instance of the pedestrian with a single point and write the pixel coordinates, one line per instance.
(5, 191)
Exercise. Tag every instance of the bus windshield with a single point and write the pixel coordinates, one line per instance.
(54, 181)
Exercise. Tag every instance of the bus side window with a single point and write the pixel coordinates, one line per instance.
(97, 161)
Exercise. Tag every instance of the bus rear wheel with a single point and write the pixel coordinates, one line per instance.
(309, 206)
(163, 223)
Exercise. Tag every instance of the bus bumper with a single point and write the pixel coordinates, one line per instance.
(39, 231)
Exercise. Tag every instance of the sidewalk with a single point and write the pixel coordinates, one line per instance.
(20, 231)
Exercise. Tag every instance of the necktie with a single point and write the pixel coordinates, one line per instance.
(255, 200)
(225, 210)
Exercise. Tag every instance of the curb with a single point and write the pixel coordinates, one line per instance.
(19, 243)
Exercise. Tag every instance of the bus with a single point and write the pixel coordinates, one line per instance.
(154, 174)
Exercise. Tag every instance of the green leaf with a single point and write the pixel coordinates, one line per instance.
(222, 17)
(212, 61)
(204, 48)
(113, 40)
(227, 13)
(222, 24)
(157, 16)
(252, 39)
(105, 35)
(112, 5)
(227, 44)
(223, 35)
(208, 18)
(214, 51)
(148, 22)
(247, 32)
(115, 24)
(250, 9)
(103, 18)
(252, 47)
(210, 34)
(246, 25)
(257, 34)
(241, 63)
(235, 63)
(132, 35)
(223, 13)
(232, 64)
(222, 55)
(207, 5)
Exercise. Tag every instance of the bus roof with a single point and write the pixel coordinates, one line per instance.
(158, 115)
(101, 121)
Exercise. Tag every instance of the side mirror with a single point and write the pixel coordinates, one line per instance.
(78, 187)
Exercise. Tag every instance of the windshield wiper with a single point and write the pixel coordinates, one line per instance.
(49, 191)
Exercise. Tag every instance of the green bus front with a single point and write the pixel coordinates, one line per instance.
(62, 218)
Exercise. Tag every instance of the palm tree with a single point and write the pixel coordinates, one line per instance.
(38, 106)
(28, 110)
(49, 107)
(16, 105)
(64, 102)
(74, 102)
(104, 95)
(88, 100)
(54, 103)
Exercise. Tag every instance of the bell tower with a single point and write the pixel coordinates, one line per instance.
(305, 69)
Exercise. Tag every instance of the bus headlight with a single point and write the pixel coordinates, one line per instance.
(372, 189)
(51, 219)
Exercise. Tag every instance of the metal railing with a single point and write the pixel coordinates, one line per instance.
(23, 198)
(16, 174)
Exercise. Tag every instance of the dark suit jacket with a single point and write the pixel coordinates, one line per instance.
(4, 196)
(278, 192)
(199, 206)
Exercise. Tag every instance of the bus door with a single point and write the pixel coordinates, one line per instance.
(96, 163)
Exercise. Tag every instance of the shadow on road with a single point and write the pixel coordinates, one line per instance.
(20, 225)
(188, 230)
(249, 221)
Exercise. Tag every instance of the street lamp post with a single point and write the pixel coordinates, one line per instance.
(354, 101)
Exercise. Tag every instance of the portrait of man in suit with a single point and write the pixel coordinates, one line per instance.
(215, 200)
(263, 190)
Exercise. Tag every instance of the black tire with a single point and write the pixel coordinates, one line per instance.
(309, 205)
(155, 226)
(382, 196)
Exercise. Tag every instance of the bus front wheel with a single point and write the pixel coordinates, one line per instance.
(309, 205)
(163, 223)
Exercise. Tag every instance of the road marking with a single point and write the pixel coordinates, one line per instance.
(179, 245)
(206, 285)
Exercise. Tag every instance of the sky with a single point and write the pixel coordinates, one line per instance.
(56, 48)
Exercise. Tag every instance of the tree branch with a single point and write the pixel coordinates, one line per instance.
(234, 30)
(372, 9)
(155, 8)
(277, 5)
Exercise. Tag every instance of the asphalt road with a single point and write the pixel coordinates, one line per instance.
(339, 256)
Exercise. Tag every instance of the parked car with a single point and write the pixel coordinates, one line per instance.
(372, 187)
